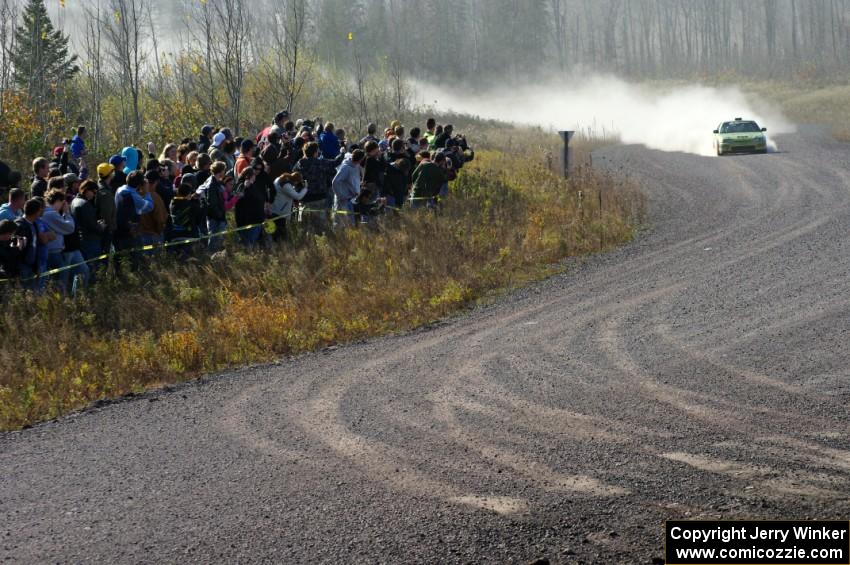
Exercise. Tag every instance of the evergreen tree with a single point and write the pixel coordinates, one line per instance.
(41, 57)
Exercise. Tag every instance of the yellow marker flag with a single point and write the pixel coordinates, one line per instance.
(43, 35)
(117, 16)
(350, 36)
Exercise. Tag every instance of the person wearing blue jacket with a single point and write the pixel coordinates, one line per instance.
(78, 143)
(346, 187)
(131, 159)
(329, 143)
(131, 201)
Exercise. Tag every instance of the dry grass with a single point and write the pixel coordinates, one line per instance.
(508, 221)
(811, 104)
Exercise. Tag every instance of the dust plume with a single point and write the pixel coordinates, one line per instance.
(667, 118)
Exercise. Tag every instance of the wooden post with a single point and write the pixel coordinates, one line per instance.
(566, 136)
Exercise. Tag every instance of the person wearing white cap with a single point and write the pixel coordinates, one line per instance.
(216, 151)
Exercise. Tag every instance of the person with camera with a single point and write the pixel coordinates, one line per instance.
(58, 218)
(11, 250)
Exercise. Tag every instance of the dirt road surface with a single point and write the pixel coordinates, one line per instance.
(700, 372)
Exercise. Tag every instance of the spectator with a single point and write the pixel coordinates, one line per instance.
(413, 141)
(61, 162)
(191, 161)
(152, 225)
(27, 229)
(203, 173)
(104, 204)
(40, 170)
(71, 186)
(230, 196)
(182, 154)
(169, 152)
(397, 183)
(317, 174)
(185, 214)
(280, 121)
(84, 212)
(287, 188)
(78, 143)
(430, 129)
(45, 236)
(251, 207)
(346, 187)
(246, 154)
(205, 139)
(165, 185)
(428, 178)
(277, 127)
(374, 170)
(262, 178)
(14, 209)
(440, 141)
(329, 142)
(11, 250)
(370, 135)
(132, 201)
(212, 201)
(58, 218)
(396, 152)
(278, 159)
(132, 159)
(118, 162)
(216, 151)
(229, 148)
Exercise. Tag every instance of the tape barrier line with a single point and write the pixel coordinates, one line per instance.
(188, 241)
(144, 248)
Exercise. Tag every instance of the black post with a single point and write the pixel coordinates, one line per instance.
(566, 136)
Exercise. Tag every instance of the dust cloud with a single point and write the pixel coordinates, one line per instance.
(667, 118)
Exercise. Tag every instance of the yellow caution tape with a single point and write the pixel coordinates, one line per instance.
(269, 226)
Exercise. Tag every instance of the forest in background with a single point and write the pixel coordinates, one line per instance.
(139, 70)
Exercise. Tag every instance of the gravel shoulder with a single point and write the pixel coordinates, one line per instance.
(701, 371)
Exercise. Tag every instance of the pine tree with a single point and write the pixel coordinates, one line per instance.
(41, 58)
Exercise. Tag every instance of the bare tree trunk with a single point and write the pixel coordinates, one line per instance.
(123, 32)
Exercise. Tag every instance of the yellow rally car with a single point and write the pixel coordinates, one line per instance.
(740, 136)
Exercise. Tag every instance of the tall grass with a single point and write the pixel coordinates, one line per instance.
(804, 103)
(508, 220)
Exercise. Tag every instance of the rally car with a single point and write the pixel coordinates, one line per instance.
(740, 136)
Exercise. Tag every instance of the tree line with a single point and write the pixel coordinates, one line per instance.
(136, 68)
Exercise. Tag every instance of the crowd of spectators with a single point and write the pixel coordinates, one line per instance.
(72, 222)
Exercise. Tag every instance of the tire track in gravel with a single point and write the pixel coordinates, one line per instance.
(700, 371)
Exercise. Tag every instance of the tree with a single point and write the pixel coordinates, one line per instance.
(124, 35)
(41, 58)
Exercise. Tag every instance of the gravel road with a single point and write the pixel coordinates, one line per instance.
(701, 371)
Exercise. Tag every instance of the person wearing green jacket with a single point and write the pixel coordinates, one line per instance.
(428, 177)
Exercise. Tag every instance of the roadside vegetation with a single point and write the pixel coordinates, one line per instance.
(509, 220)
(810, 103)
